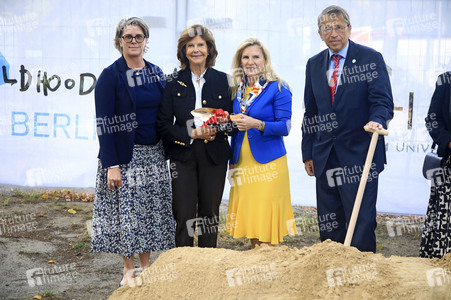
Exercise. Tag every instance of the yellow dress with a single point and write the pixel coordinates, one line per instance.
(260, 200)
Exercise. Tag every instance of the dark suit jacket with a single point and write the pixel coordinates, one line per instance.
(438, 120)
(364, 95)
(115, 106)
(178, 102)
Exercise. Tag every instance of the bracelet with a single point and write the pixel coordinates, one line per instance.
(260, 126)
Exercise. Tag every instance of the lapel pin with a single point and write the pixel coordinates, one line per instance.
(181, 83)
(353, 61)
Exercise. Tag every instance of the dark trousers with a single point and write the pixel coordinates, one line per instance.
(197, 187)
(336, 190)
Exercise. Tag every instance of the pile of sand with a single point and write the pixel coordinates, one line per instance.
(324, 271)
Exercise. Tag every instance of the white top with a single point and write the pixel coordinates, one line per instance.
(198, 83)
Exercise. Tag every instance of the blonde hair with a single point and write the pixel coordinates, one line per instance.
(190, 33)
(238, 72)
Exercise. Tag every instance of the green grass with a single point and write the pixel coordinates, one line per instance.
(67, 206)
(46, 295)
(86, 238)
(80, 246)
(31, 196)
(28, 251)
(18, 194)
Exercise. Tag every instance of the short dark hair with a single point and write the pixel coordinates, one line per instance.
(187, 35)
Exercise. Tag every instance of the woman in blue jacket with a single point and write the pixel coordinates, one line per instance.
(260, 202)
(132, 207)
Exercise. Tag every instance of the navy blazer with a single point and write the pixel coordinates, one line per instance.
(364, 95)
(274, 108)
(175, 122)
(116, 111)
(438, 120)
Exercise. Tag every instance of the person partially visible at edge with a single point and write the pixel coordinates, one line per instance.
(436, 238)
(132, 207)
(260, 201)
(346, 87)
(198, 153)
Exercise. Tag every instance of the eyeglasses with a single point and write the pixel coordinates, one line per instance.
(139, 38)
(338, 29)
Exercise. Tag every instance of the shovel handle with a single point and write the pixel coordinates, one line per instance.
(362, 184)
(379, 131)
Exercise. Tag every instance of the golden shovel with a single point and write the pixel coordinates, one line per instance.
(363, 180)
(203, 113)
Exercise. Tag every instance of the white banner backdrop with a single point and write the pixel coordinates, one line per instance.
(52, 52)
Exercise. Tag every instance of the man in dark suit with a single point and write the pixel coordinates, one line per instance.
(347, 87)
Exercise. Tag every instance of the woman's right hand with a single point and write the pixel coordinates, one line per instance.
(204, 132)
(114, 178)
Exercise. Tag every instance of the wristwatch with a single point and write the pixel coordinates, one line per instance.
(260, 126)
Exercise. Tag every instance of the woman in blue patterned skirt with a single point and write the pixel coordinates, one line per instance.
(132, 209)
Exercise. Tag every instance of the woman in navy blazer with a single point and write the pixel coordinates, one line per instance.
(132, 207)
(260, 202)
(199, 154)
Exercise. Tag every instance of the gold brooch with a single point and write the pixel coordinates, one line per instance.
(181, 83)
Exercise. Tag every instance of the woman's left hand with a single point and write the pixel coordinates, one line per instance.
(246, 122)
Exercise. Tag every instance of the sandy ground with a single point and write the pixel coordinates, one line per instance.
(46, 237)
(324, 271)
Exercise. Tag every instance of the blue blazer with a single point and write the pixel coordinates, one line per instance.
(364, 95)
(114, 97)
(438, 120)
(274, 108)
